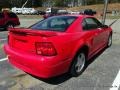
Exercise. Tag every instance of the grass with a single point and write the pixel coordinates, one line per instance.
(113, 17)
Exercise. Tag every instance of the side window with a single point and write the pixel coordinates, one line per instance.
(91, 24)
(1, 15)
(98, 22)
(84, 25)
(12, 15)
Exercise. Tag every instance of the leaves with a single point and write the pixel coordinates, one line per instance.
(57, 3)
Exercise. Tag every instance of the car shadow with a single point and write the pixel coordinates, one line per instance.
(65, 77)
(94, 57)
(55, 80)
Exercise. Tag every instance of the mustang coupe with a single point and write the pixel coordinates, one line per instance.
(57, 45)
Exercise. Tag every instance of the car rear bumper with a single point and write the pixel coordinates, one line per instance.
(44, 67)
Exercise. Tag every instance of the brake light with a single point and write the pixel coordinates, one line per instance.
(45, 49)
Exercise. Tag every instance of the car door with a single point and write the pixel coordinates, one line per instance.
(104, 33)
(94, 32)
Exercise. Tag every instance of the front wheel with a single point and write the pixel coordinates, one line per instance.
(78, 65)
(9, 25)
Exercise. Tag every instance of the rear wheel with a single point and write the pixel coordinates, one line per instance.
(109, 41)
(79, 64)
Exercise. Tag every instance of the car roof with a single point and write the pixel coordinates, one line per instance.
(76, 15)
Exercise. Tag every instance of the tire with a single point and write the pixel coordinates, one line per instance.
(78, 65)
(109, 43)
(9, 25)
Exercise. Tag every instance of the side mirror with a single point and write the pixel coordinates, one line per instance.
(104, 26)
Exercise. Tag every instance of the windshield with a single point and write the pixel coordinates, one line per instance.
(55, 23)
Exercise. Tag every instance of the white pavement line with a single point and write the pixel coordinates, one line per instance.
(116, 83)
(3, 59)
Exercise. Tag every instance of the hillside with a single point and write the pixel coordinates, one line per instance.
(98, 7)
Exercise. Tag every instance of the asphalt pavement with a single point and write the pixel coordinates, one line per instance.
(102, 72)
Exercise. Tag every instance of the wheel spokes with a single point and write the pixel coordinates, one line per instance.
(80, 62)
(110, 41)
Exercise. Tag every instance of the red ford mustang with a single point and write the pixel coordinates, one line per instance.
(57, 45)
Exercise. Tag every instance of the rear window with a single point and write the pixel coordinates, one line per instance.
(12, 15)
(55, 23)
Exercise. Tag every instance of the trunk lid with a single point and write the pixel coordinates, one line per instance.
(25, 39)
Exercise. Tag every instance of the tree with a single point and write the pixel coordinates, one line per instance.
(36, 3)
(58, 3)
(49, 3)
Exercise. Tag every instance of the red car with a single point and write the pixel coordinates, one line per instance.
(8, 19)
(57, 45)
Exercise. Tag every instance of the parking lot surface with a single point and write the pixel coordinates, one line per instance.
(100, 73)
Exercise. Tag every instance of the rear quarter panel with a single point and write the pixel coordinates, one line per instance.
(68, 44)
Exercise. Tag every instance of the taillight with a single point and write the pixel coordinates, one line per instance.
(45, 49)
